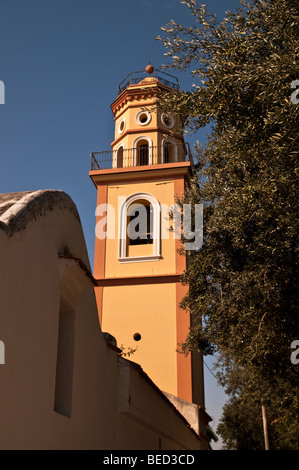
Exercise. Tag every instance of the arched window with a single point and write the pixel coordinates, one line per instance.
(142, 151)
(169, 151)
(120, 157)
(140, 223)
(139, 228)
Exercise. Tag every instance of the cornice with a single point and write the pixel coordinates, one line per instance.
(144, 173)
(142, 91)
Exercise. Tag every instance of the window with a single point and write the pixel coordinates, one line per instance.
(139, 228)
(121, 126)
(142, 151)
(169, 151)
(167, 120)
(140, 223)
(143, 118)
(120, 157)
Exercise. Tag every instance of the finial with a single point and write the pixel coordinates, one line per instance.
(149, 68)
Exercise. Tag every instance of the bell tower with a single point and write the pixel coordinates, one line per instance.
(137, 267)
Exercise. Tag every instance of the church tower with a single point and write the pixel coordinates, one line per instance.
(137, 267)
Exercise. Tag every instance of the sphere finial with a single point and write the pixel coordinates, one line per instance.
(149, 69)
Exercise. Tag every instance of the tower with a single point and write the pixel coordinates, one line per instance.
(137, 267)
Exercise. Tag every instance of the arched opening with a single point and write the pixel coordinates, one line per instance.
(169, 151)
(140, 223)
(120, 157)
(139, 228)
(142, 151)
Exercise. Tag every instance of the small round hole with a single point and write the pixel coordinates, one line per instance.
(121, 126)
(137, 337)
(167, 120)
(143, 118)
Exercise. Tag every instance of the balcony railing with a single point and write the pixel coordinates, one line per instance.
(136, 77)
(144, 155)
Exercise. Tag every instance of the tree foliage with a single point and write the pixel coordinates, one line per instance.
(242, 282)
(240, 409)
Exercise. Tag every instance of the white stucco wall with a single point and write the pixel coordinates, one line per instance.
(33, 280)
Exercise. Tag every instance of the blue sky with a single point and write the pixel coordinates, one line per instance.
(61, 62)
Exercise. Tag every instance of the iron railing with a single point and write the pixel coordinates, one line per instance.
(144, 155)
(136, 77)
